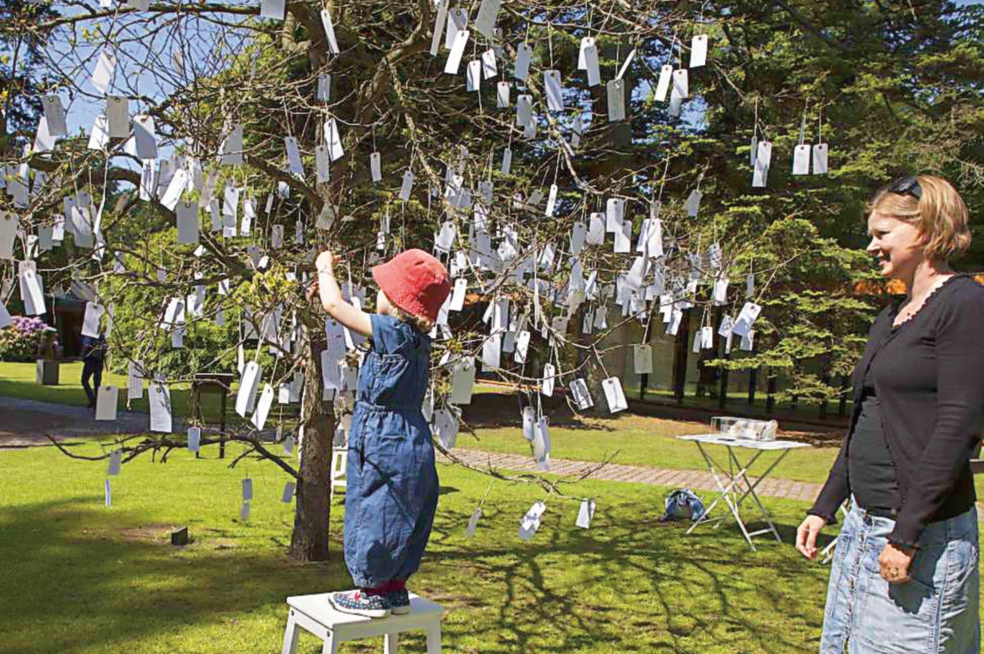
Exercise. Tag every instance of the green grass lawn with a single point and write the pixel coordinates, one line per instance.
(82, 578)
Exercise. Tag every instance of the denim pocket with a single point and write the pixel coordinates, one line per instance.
(902, 617)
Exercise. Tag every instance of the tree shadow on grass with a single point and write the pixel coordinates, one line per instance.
(76, 577)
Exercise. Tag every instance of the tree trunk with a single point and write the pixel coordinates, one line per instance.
(309, 540)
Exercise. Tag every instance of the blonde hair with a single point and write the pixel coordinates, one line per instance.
(941, 215)
(423, 325)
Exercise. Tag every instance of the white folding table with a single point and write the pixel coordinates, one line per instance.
(733, 481)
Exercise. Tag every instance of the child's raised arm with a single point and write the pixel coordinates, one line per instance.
(331, 297)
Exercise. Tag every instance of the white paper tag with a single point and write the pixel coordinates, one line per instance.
(524, 110)
(596, 229)
(623, 238)
(743, 323)
(194, 439)
(663, 85)
(524, 55)
(115, 463)
(231, 152)
(442, 15)
(462, 381)
(187, 218)
(763, 157)
(457, 50)
(585, 514)
(473, 523)
(489, 67)
(324, 87)
(506, 161)
(329, 31)
(553, 90)
(244, 511)
(407, 186)
(106, 397)
(108, 492)
(522, 346)
(541, 443)
(614, 394)
(294, 157)
(458, 297)
(801, 159)
(531, 521)
(820, 159)
(529, 423)
(616, 100)
(502, 94)
(473, 75)
(485, 20)
(491, 352)
(589, 50)
(246, 396)
(698, 50)
(103, 73)
(333, 140)
(376, 167)
(262, 407)
(272, 9)
(159, 397)
(288, 495)
(549, 377)
(681, 86)
(642, 357)
(54, 113)
(581, 395)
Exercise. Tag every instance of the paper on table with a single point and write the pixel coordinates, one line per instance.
(106, 397)
(159, 397)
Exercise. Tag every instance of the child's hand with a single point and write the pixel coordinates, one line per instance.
(313, 290)
(325, 262)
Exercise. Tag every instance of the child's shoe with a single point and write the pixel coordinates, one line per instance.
(358, 603)
(399, 601)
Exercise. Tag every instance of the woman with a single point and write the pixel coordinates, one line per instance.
(905, 575)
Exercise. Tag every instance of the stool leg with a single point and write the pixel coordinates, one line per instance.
(331, 644)
(290, 635)
(434, 640)
(391, 643)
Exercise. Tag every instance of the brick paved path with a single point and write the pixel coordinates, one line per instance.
(693, 479)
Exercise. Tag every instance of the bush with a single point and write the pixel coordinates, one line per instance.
(19, 342)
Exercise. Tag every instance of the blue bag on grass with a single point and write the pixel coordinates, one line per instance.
(681, 504)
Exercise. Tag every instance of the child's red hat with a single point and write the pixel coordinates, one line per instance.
(415, 282)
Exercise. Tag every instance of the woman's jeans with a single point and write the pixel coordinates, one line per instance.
(936, 611)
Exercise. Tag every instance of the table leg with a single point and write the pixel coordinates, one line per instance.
(391, 643)
(751, 491)
(331, 644)
(434, 640)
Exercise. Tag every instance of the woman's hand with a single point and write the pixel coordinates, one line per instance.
(806, 535)
(894, 564)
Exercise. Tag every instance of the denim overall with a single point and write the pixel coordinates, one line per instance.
(391, 480)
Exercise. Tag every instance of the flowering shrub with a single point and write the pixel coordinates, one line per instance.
(19, 342)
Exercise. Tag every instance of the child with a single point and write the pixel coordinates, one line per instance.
(392, 486)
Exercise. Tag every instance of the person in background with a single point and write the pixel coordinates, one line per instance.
(93, 359)
(905, 575)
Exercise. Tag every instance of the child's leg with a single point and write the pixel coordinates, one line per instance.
(420, 536)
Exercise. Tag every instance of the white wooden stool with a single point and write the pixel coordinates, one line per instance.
(316, 615)
(339, 463)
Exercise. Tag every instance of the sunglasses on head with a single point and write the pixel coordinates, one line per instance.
(906, 186)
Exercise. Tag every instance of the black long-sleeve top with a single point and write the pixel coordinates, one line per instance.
(929, 378)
